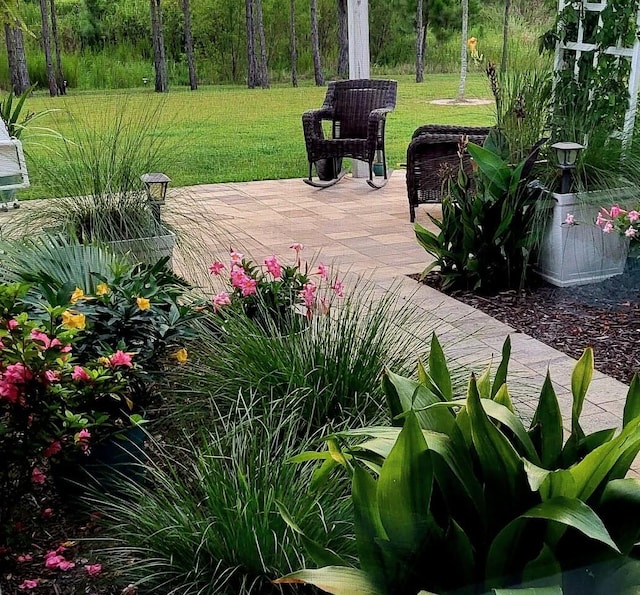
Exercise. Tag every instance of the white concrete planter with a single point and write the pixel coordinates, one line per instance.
(582, 253)
(148, 250)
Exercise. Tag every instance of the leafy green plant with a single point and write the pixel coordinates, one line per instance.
(11, 110)
(463, 479)
(488, 228)
(206, 520)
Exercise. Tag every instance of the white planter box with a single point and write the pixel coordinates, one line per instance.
(149, 250)
(582, 253)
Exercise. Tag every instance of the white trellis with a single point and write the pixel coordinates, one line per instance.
(579, 46)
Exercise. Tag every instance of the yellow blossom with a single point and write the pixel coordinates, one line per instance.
(472, 42)
(181, 355)
(143, 303)
(72, 319)
(102, 289)
(104, 361)
(77, 294)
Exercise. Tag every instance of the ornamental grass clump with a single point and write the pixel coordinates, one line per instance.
(206, 521)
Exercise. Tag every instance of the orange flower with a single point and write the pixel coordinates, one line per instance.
(102, 289)
(72, 319)
(181, 355)
(77, 294)
(143, 303)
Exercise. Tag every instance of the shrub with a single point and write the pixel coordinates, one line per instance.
(464, 480)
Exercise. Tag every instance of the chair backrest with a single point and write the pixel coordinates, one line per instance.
(13, 167)
(353, 101)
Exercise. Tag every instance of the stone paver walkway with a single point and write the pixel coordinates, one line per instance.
(368, 232)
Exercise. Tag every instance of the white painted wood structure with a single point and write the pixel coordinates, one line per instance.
(579, 46)
(13, 167)
(359, 58)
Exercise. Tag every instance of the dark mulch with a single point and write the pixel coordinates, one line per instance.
(605, 316)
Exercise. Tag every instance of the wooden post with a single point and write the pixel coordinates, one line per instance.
(358, 14)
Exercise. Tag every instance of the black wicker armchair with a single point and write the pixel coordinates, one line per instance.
(357, 110)
(434, 150)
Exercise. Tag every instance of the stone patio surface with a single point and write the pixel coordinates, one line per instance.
(367, 232)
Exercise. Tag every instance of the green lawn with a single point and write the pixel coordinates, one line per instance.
(227, 133)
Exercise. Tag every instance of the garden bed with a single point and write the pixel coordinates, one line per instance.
(603, 315)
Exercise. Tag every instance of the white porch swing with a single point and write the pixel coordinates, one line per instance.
(13, 169)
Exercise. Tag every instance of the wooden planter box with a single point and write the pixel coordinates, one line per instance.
(580, 254)
(149, 250)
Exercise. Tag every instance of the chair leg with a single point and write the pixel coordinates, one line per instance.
(412, 213)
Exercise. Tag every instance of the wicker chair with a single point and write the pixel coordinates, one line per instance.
(357, 110)
(434, 148)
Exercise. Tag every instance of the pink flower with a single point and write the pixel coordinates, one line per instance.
(239, 278)
(297, 246)
(570, 219)
(53, 562)
(66, 565)
(46, 341)
(53, 449)
(615, 211)
(322, 271)
(250, 287)
(120, 358)
(216, 268)
(12, 324)
(608, 227)
(338, 287)
(222, 299)
(600, 220)
(634, 216)
(37, 476)
(82, 439)
(80, 374)
(309, 294)
(236, 257)
(29, 583)
(24, 558)
(52, 376)
(630, 233)
(93, 569)
(273, 266)
(47, 513)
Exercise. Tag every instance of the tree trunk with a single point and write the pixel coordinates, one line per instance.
(252, 65)
(62, 84)
(188, 45)
(505, 36)
(23, 73)
(463, 50)
(343, 40)
(315, 44)
(420, 34)
(159, 56)
(292, 44)
(264, 71)
(10, 39)
(46, 47)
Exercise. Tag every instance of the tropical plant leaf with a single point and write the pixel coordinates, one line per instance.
(620, 510)
(336, 580)
(502, 397)
(580, 381)
(503, 368)
(632, 404)
(530, 591)
(543, 572)
(546, 427)
(490, 164)
(438, 370)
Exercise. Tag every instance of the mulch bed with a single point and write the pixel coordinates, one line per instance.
(605, 316)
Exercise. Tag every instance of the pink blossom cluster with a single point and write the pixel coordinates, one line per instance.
(626, 223)
(55, 560)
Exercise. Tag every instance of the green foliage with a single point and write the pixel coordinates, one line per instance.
(206, 521)
(465, 479)
(488, 228)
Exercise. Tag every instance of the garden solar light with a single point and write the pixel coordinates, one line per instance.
(566, 157)
(156, 185)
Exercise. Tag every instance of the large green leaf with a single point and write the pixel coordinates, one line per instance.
(569, 512)
(438, 370)
(336, 580)
(544, 571)
(497, 171)
(530, 591)
(580, 381)
(546, 427)
(404, 489)
(620, 509)
(632, 404)
(503, 368)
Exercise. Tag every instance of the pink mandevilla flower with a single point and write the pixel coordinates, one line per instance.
(120, 358)
(249, 287)
(630, 233)
(37, 476)
(29, 583)
(570, 219)
(93, 569)
(273, 266)
(608, 227)
(79, 374)
(616, 211)
(634, 216)
(338, 287)
(216, 268)
(222, 299)
(322, 271)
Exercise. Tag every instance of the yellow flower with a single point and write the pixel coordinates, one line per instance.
(472, 42)
(104, 361)
(143, 303)
(181, 355)
(73, 320)
(77, 294)
(102, 289)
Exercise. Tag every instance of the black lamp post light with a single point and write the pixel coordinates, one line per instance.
(566, 157)
(156, 185)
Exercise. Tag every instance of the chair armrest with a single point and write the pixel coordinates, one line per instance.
(312, 122)
(451, 130)
(377, 119)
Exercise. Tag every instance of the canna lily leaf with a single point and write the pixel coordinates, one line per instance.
(620, 509)
(483, 383)
(632, 404)
(438, 370)
(580, 381)
(546, 427)
(503, 368)
(321, 474)
(497, 171)
(545, 571)
(336, 580)
(502, 397)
